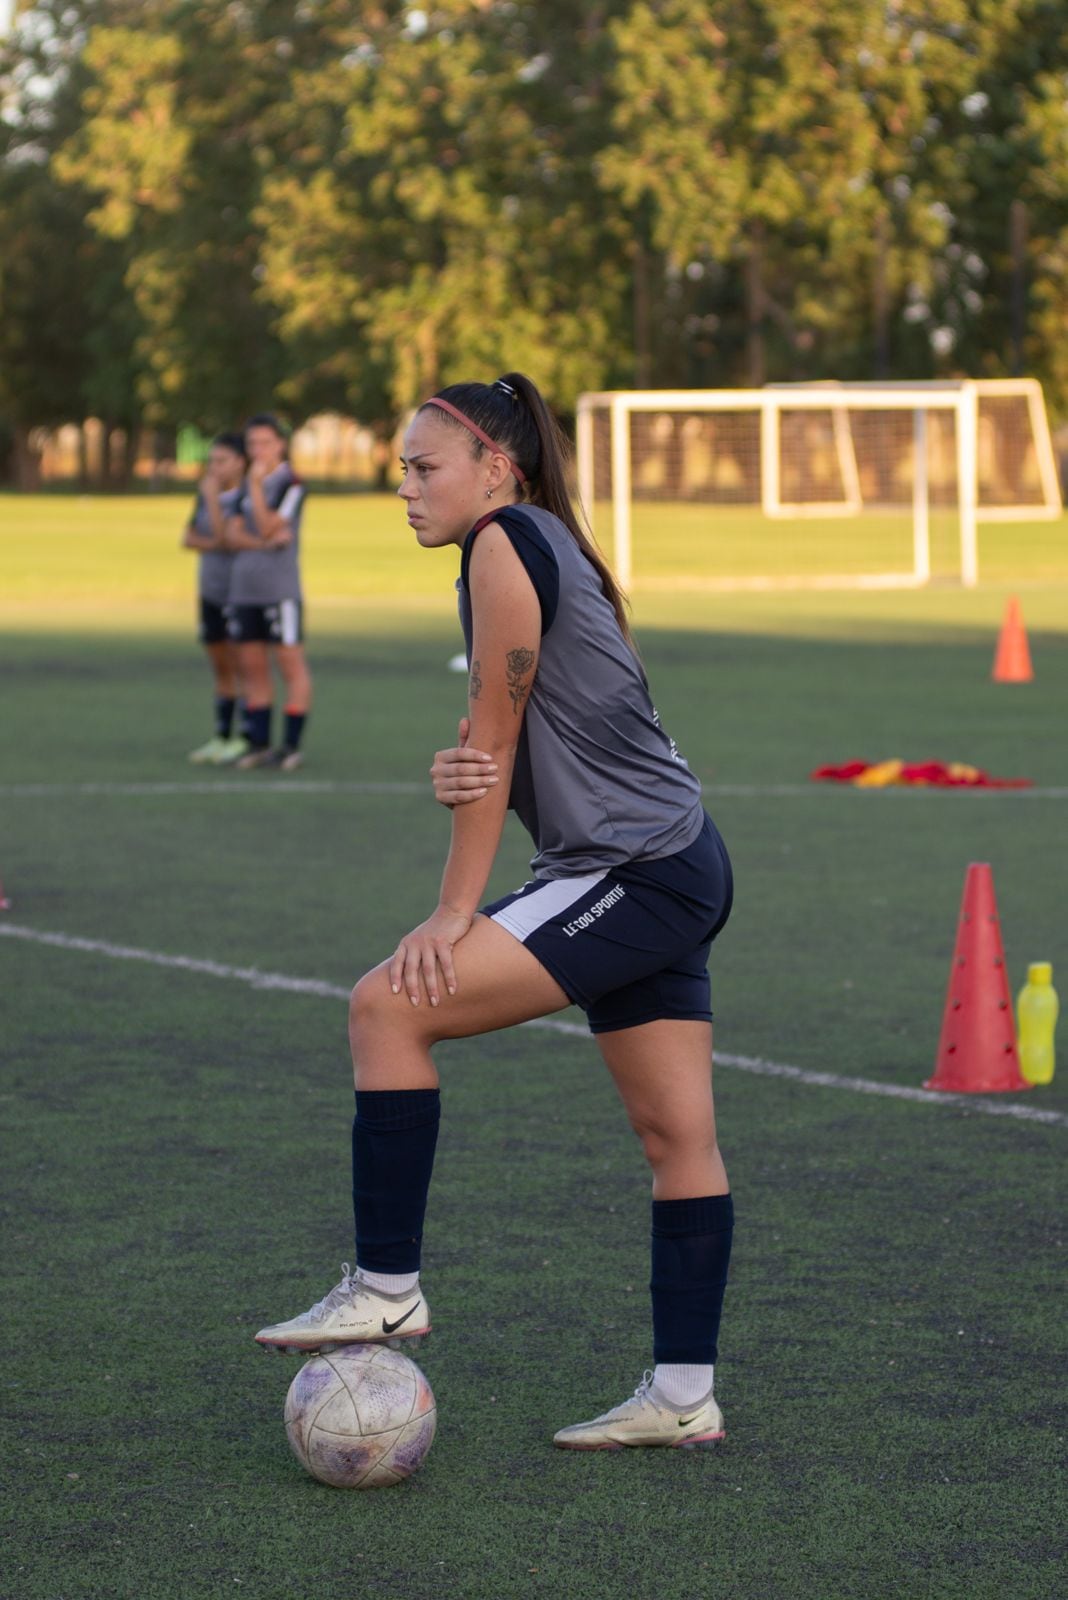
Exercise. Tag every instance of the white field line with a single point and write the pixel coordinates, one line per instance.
(220, 786)
(332, 991)
(304, 786)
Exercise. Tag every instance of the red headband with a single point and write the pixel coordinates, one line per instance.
(474, 428)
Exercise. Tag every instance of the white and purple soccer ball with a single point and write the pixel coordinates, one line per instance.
(362, 1417)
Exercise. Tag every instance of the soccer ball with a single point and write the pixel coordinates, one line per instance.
(361, 1417)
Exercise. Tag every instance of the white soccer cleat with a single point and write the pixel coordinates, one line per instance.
(646, 1420)
(352, 1313)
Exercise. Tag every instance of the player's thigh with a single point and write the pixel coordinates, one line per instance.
(663, 1072)
(221, 655)
(498, 984)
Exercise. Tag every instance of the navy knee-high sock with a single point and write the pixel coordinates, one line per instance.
(691, 1252)
(394, 1135)
(225, 706)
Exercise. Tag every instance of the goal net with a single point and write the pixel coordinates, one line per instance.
(819, 485)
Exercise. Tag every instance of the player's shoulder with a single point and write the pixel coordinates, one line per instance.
(505, 541)
(490, 539)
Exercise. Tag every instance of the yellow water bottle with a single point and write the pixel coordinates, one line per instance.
(1036, 1011)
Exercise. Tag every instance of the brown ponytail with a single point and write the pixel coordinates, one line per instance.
(514, 415)
(551, 488)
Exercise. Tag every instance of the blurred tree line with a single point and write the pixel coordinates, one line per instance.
(206, 207)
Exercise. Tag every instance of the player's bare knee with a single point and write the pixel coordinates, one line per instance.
(368, 1002)
(665, 1142)
(376, 1013)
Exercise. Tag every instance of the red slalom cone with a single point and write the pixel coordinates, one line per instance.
(977, 1048)
(1012, 663)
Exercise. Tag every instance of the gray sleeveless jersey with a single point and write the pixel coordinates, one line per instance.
(216, 566)
(263, 577)
(597, 781)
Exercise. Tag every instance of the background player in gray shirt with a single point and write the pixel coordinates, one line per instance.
(266, 616)
(217, 499)
(632, 883)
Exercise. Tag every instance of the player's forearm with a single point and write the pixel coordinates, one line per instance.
(476, 835)
(267, 522)
(237, 537)
(216, 518)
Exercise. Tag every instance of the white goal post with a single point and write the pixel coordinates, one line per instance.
(816, 453)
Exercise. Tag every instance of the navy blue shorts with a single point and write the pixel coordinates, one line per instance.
(629, 944)
(213, 628)
(282, 622)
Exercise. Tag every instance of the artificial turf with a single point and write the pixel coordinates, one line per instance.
(175, 1144)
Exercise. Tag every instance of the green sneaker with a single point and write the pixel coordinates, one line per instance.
(230, 750)
(208, 754)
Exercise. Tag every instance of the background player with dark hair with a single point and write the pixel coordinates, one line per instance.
(631, 885)
(266, 606)
(217, 498)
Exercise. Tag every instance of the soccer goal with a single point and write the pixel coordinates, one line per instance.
(828, 485)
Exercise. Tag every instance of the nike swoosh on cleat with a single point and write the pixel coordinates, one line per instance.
(391, 1327)
(684, 1422)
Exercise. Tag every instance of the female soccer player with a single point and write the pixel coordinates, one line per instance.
(631, 884)
(266, 608)
(217, 497)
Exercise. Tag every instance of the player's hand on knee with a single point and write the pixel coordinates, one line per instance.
(462, 774)
(422, 963)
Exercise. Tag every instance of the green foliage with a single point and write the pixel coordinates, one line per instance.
(445, 226)
(205, 208)
(163, 151)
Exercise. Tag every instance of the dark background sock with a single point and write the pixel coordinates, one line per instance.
(225, 705)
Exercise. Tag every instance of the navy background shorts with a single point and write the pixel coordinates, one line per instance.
(281, 622)
(629, 944)
(213, 628)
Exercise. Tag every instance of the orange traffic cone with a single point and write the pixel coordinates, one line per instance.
(977, 1048)
(1012, 664)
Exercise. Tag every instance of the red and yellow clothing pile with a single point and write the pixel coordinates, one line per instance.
(915, 775)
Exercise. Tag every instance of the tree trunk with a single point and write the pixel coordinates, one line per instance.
(126, 457)
(643, 344)
(1018, 231)
(426, 345)
(25, 461)
(380, 455)
(754, 307)
(881, 299)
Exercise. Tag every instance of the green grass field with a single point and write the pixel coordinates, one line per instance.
(175, 1147)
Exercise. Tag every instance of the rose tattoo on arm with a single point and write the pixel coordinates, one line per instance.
(520, 663)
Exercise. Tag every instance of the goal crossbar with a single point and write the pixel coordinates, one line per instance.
(839, 400)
